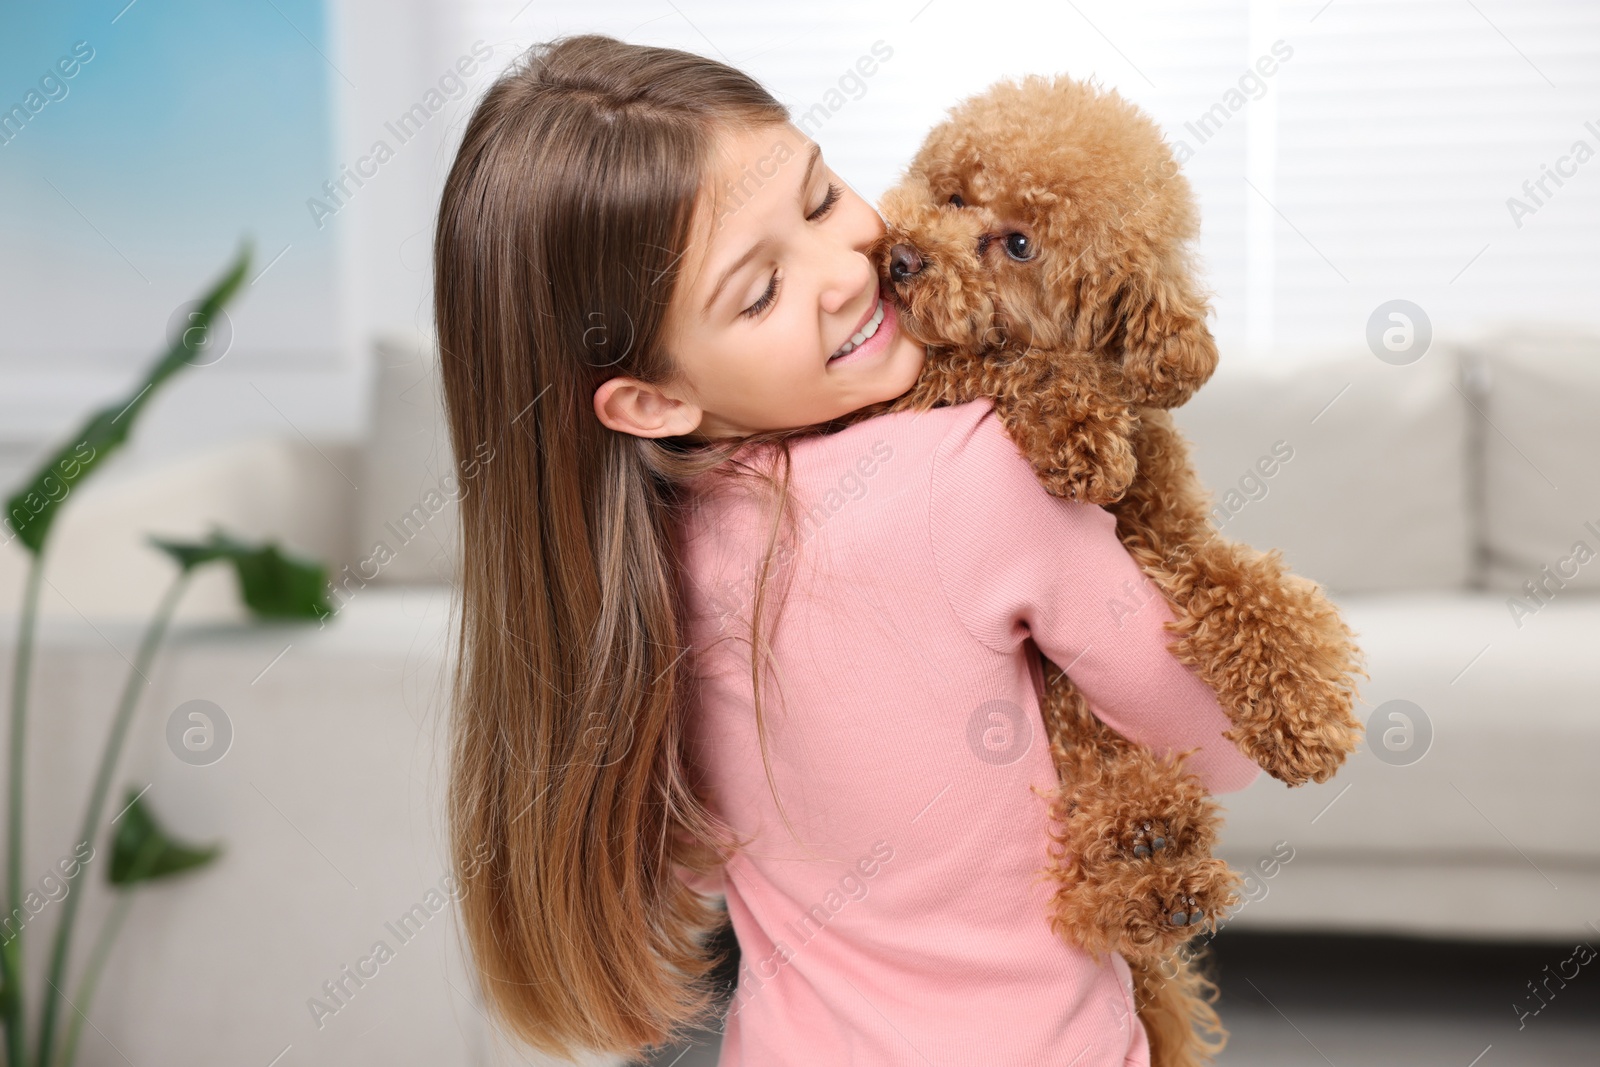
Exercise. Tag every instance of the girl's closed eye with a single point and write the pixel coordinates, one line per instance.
(834, 192)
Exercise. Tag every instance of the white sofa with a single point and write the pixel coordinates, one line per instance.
(1422, 496)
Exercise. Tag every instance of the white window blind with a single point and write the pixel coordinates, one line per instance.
(1344, 154)
(1403, 130)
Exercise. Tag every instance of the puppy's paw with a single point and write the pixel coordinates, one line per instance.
(1148, 839)
(1144, 909)
(1131, 809)
(1088, 488)
(1187, 899)
(1135, 840)
(1296, 757)
(1279, 658)
(1193, 917)
(1098, 477)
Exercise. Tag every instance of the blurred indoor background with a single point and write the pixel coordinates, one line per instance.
(1401, 228)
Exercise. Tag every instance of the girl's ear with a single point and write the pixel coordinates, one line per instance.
(630, 406)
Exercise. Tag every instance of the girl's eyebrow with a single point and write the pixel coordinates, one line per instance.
(805, 182)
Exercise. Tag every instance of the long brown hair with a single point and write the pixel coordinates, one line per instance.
(571, 796)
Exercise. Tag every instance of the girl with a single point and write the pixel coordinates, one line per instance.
(652, 293)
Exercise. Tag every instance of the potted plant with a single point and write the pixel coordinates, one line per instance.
(272, 584)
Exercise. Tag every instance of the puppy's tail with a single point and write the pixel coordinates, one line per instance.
(1178, 1018)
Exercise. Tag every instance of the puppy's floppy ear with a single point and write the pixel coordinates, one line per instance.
(1167, 349)
(1147, 310)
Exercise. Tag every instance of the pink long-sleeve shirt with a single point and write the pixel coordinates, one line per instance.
(903, 921)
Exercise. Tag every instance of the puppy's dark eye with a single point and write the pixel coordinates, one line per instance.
(1018, 247)
(955, 198)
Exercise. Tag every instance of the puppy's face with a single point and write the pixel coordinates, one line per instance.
(1048, 214)
(966, 272)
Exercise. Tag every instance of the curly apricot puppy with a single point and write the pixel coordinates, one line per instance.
(1038, 246)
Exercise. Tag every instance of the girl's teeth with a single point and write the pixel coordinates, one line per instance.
(865, 332)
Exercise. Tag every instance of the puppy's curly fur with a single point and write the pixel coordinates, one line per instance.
(1038, 247)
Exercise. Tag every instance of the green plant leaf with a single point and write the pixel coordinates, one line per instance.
(186, 554)
(273, 583)
(33, 508)
(141, 851)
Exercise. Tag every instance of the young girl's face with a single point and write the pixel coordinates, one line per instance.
(775, 281)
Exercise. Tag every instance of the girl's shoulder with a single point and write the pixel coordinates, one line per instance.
(918, 436)
(927, 429)
(964, 447)
(907, 442)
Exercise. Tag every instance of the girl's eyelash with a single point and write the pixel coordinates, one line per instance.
(766, 298)
(834, 193)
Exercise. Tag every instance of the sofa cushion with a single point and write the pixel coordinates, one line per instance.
(1506, 722)
(1540, 398)
(1355, 468)
(1473, 813)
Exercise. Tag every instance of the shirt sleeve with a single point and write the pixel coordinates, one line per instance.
(1015, 562)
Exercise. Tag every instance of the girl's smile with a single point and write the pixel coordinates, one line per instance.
(774, 284)
(873, 337)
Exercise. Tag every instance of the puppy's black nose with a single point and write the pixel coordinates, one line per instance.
(903, 262)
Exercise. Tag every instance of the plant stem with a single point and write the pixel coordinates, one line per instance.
(91, 975)
(11, 951)
(148, 645)
(102, 949)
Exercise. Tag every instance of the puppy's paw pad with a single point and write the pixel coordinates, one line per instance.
(1186, 912)
(1145, 839)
